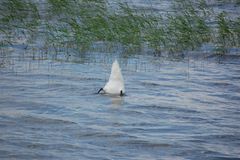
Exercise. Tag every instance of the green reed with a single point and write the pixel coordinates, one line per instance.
(17, 17)
(228, 33)
(79, 24)
(95, 22)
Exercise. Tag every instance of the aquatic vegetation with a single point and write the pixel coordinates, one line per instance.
(81, 23)
(225, 36)
(17, 17)
(227, 33)
(188, 28)
(236, 32)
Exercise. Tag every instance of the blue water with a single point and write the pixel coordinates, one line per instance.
(174, 109)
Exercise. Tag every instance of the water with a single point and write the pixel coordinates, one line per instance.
(184, 109)
(174, 108)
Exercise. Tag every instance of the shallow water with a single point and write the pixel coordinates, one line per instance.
(175, 108)
(185, 109)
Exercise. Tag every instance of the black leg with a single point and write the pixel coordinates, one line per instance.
(100, 90)
(121, 93)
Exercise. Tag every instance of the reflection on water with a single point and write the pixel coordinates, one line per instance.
(117, 100)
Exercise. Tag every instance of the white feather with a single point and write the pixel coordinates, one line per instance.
(115, 83)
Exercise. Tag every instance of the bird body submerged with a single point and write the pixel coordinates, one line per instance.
(115, 84)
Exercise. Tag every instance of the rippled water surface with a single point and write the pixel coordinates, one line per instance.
(174, 109)
(187, 109)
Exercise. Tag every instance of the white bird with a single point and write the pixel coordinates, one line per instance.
(115, 84)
